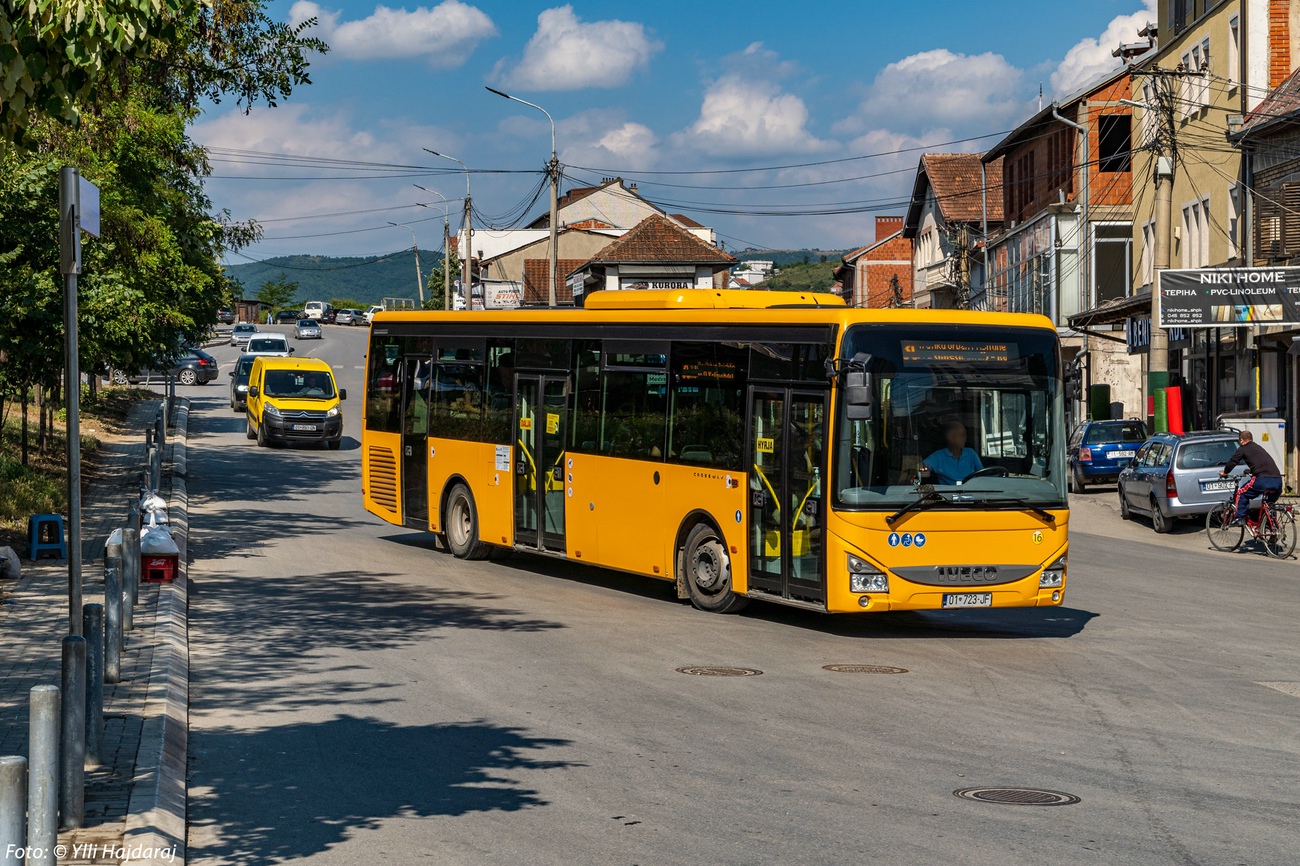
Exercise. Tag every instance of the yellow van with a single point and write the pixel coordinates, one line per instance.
(294, 400)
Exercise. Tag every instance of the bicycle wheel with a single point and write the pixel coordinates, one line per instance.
(1279, 537)
(1222, 535)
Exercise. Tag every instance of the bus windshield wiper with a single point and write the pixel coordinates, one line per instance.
(1044, 514)
(927, 501)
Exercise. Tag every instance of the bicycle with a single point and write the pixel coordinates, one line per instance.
(1274, 527)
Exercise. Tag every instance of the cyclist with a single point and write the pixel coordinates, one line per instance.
(1265, 478)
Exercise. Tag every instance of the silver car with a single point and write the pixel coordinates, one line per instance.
(1177, 475)
(306, 329)
(242, 333)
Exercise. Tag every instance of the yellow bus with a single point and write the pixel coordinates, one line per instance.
(745, 445)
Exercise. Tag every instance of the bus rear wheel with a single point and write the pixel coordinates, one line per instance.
(461, 526)
(706, 570)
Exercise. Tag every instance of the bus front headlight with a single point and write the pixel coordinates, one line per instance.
(865, 577)
(1054, 575)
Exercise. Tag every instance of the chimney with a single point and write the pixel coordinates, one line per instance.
(632, 187)
(1279, 41)
(888, 225)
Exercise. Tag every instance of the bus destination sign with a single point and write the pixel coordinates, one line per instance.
(949, 352)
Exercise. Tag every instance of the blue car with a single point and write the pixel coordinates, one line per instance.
(1099, 451)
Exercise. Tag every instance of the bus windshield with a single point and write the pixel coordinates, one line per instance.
(965, 417)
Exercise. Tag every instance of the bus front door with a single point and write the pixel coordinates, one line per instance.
(787, 437)
(540, 404)
(416, 375)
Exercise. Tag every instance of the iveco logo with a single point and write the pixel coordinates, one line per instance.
(967, 573)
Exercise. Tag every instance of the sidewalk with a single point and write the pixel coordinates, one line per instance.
(33, 621)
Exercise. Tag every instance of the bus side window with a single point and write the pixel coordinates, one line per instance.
(707, 425)
(585, 430)
(383, 382)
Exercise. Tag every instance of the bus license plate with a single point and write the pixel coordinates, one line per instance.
(968, 599)
(1216, 486)
(307, 427)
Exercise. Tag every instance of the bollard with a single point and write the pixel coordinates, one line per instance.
(43, 774)
(92, 627)
(148, 438)
(151, 470)
(13, 809)
(131, 566)
(72, 746)
(113, 620)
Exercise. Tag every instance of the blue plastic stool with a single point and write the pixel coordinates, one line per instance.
(35, 546)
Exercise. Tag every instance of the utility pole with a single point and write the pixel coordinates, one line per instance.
(467, 254)
(415, 245)
(895, 292)
(552, 171)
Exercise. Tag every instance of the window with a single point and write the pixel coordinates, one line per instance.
(634, 400)
(1186, 92)
(457, 410)
(1234, 219)
(1112, 261)
(1234, 52)
(1195, 242)
(383, 397)
(707, 425)
(498, 406)
(1114, 133)
(1148, 274)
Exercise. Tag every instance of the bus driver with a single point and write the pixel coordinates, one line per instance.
(955, 462)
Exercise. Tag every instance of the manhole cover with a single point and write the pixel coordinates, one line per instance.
(864, 669)
(718, 671)
(1017, 796)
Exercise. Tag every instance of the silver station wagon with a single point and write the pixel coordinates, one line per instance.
(1177, 475)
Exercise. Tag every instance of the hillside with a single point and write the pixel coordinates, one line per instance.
(782, 258)
(365, 280)
(813, 277)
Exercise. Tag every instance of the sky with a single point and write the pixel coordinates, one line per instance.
(780, 125)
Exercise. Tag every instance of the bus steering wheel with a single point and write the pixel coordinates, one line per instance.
(987, 472)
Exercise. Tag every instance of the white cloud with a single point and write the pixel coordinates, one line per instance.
(568, 54)
(445, 34)
(746, 115)
(1091, 58)
(605, 139)
(940, 88)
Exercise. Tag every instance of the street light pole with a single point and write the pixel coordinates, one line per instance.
(467, 254)
(446, 246)
(415, 245)
(553, 170)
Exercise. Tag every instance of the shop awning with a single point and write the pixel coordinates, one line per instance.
(1112, 312)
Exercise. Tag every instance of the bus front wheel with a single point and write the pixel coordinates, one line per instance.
(462, 526)
(706, 569)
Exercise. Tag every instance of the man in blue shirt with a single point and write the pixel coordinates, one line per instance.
(956, 462)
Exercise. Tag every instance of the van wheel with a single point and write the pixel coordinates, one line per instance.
(462, 526)
(1159, 522)
(248, 428)
(262, 439)
(705, 566)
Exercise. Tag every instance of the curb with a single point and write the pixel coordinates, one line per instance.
(155, 820)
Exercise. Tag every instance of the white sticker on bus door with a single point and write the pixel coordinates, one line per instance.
(503, 458)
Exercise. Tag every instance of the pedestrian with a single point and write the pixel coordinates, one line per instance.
(1265, 477)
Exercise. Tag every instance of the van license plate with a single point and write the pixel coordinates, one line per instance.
(968, 599)
(308, 427)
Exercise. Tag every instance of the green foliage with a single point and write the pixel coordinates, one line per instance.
(811, 277)
(781, 258)
(279, 293)
(366, 280)
(347, 304)
(435, 288)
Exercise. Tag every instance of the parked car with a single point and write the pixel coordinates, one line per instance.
(194, 367)
(1177, 475)
(307, 329)
(239, 382)
(242, 333)
(294, 400)
(1100, 449)
(316, 309)
(269, 344)
(225, 317)
(287, 317)
(370, 312)
(347, 317)
(329, 316)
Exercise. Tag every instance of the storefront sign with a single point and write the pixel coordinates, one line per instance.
(502, 296)
(644, 283)
(1229, 297)
(1137, 335)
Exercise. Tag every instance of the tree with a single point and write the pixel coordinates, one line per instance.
(436, 286)
(347, 304)
(278, 293)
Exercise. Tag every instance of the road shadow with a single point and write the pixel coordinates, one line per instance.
(284, 793)
(256, 631)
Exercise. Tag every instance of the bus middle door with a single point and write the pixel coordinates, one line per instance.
(540, 408)
(417, 375)
(787, 437)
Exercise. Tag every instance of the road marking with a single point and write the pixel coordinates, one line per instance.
(1292, 689)
(359, 367)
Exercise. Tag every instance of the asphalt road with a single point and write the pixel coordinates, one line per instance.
(359, 696)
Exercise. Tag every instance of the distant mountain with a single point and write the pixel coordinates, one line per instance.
(322, 278)
(789, 257)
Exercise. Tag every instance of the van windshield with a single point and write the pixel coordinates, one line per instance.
(299, 384)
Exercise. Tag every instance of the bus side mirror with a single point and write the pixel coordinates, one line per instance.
(857, 395)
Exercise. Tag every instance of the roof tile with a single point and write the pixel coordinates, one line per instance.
(658, 239)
